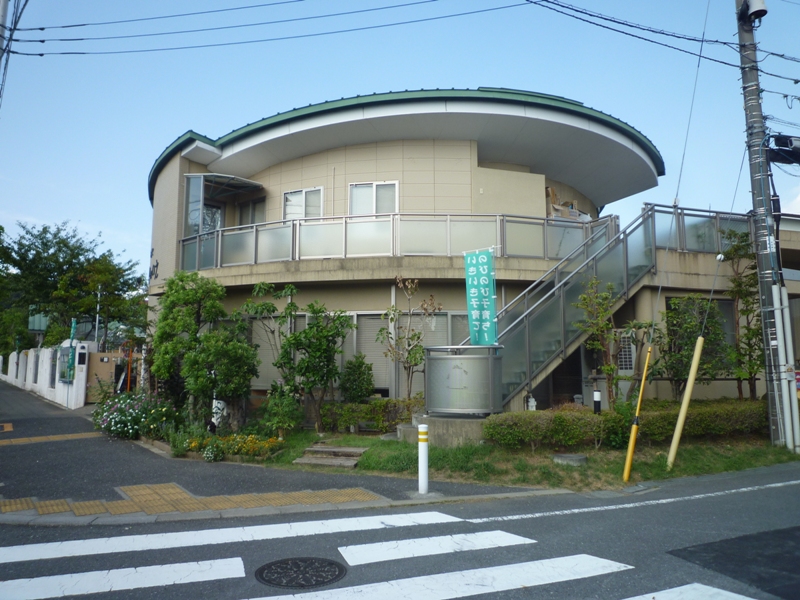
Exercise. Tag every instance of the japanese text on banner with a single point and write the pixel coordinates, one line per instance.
(481, 297)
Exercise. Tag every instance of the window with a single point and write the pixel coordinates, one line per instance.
(301, 204)
(253, 212)
(201, 216)
(373, 198)
(194, 201)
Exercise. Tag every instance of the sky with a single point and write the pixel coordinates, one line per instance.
(79, 133)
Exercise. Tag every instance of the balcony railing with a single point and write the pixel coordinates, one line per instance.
(406, 234)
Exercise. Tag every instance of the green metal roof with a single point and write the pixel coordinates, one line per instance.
(483, 93)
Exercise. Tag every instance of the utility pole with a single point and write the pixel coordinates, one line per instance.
(5, 30)
(779, 357)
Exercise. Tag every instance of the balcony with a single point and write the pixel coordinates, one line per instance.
(406, 234)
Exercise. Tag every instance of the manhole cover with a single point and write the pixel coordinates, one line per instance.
(300, 572)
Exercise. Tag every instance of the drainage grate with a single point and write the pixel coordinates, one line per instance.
(301, 572)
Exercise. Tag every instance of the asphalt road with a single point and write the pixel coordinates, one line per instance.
(721, 537)
(737, 533)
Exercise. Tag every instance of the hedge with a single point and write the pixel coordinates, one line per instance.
(571, 425)
(384, 413)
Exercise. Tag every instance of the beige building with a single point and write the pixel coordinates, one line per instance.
(339, 198)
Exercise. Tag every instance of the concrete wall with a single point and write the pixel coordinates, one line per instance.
(71, 395)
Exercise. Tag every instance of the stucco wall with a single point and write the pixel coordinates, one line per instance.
(167, 222)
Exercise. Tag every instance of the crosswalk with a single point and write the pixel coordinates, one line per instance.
(451, 584)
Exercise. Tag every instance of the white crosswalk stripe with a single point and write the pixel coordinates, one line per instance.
(93, 582)
(382, 551)
(206, 537)
(693, 591)
(462, 584)
(436, 586)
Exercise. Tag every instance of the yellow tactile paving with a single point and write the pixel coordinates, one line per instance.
(189, 505)
(122, 507)
(170, 497)
(15, 505)
(157, 508)
(170, 491)
(218, 503)
(6, 427)
(304, 498)
(49, 507)
(275, 499)
(247, 501)
(93, 507)
(50, 438)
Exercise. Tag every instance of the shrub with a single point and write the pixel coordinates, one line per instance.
(132, 414)
(357, 381)
(384, 413)
(574, 426)
(281, 411)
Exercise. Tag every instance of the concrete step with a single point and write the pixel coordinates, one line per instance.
(342, 451)
(326, 461)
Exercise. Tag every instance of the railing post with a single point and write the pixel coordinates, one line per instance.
(255, 244)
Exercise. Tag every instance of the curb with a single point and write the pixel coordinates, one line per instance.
(31, 517)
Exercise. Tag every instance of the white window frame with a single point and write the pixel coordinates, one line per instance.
(305, 191)
(374, 185)
(250, 205)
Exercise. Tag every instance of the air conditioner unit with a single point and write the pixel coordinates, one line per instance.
(626, 361)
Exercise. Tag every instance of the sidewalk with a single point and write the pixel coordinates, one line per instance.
(56, 469)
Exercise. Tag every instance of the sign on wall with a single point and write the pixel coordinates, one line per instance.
(481, 297)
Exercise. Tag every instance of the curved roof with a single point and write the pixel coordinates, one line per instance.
(600, 156)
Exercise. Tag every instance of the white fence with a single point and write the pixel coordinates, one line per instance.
(43, 372)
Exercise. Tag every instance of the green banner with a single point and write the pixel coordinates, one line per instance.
(481, 297)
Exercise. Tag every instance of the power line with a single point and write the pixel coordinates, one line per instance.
(277, 39)
(16, 15)
(139, 20)
(224, 27)
(544, 4)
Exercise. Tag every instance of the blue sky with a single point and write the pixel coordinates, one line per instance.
(79, 133)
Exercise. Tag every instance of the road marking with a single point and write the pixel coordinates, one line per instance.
(577, 511)
(95, 582)
(693, 591)
(206, 537)
(371, 553)
(461, 584)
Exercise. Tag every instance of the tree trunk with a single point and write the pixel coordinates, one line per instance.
(740, 389)
(752, 384)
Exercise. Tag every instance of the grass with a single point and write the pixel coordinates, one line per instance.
(497, 466)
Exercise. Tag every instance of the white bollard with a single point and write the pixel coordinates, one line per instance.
(423, 459)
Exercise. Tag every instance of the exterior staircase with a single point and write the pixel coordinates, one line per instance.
(323, 455)
(538, 329)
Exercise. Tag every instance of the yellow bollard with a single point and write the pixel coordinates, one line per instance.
(635, 427)
(687, 395)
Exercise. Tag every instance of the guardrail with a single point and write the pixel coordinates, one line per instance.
(406, 234)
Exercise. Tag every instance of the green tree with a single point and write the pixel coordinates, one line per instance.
(190, 305)
(309, 355)
(406, 332)
(604, 337)
(683, 324)
(748, 352)
(275, 323)
(221, 367)
(120, 293)
(56, 271)
(357, 381)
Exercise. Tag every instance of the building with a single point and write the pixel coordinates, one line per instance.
(341, 197)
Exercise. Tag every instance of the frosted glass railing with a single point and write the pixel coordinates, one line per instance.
(540, 324)
(545, 330)
(406, 234)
